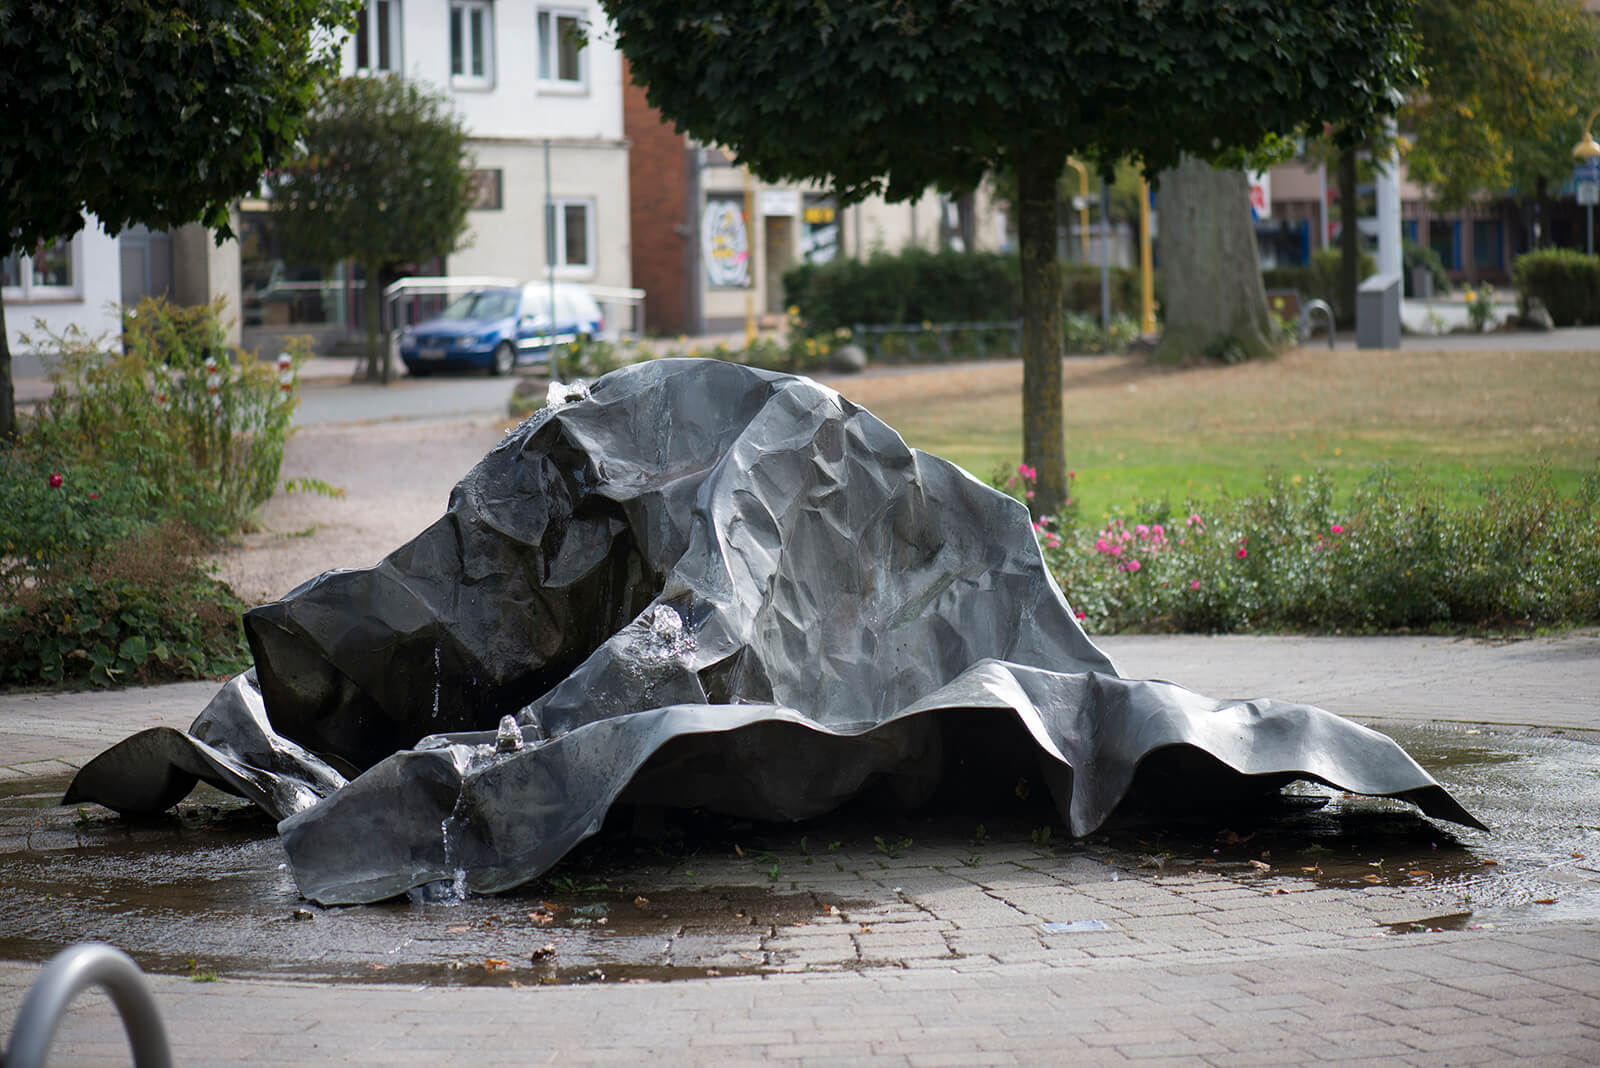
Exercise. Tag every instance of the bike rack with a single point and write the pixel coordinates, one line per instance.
(1305, 319)
(68, 974)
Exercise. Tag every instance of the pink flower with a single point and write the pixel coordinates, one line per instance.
(1101, 545)
(1142, 530)
(1030, 495)
(1131, 565)
(1242, 553)
(1027, 472)
(1159, 531)
(1072, 474)
(55, 481)
(1069, 502)
(1196, 521)
(1337, 529)
(1082, 616)
(92, 496)
(1194, 584)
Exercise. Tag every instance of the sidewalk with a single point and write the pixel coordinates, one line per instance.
(938, 953)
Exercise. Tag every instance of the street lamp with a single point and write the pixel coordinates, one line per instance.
(1587, 152)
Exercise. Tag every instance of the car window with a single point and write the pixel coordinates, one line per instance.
(485, 304)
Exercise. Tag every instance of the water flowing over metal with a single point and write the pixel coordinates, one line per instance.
(704, 585)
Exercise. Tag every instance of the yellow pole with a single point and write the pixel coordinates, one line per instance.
(750, 260)
(1147, 277)
(1083, 206)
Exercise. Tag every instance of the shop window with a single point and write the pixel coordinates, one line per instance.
(1488, 244)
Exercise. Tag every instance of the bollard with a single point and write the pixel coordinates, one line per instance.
(70, 972)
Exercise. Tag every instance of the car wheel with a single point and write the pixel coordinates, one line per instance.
(417, 370)
(505, 358)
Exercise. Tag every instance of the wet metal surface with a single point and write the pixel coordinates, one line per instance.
(206, 891)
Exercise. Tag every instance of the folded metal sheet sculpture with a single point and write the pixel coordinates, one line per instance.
(698, 584)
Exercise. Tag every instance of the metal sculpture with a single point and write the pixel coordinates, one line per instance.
(697, 584)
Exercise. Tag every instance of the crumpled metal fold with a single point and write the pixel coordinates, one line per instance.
(694, 584)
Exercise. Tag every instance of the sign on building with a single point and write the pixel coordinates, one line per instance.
(725, 243)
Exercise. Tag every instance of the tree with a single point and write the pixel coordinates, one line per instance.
(160, 112)
(893, 96)
(1508, 85)
(1214, 298)
(382, 180)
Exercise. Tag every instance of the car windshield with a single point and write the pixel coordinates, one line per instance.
(487, 304)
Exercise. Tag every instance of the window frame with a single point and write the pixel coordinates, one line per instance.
(462, 14)
(555, 224)
(376, 40)
(31, 292)
(547, 44)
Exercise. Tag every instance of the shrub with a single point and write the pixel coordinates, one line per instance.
(1413, 256)
(1565, 281)
(916, 286)
(1325, 266)
(144, 611)
(1291, 557)
(203, 424)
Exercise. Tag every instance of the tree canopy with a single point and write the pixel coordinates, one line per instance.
(160, 112)
(1509, 83)
(381, 180)
(893, 96)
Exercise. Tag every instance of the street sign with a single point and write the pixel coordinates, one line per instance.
(1588, 190)
(1586, 170)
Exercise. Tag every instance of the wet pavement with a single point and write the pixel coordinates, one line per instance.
(1323, 927)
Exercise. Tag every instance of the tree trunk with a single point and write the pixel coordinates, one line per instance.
(967, 221)
(8, 390)
(1213, 299)
(1043, 439)
(1349, 238)
(372, 301)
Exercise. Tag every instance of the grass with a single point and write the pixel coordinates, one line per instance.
(1141, 433)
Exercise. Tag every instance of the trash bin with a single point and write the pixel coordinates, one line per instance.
(1378, 312)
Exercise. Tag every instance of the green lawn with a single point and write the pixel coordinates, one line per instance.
(1139, 433)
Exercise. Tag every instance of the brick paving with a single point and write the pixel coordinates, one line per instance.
(939, 953)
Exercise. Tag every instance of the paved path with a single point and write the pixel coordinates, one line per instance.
(939, 956)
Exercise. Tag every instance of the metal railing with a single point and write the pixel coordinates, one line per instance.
(1306, 325)
(68, 974)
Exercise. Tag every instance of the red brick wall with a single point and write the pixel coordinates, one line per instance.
(657, 189)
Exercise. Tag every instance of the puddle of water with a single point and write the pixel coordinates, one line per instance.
(206, 889)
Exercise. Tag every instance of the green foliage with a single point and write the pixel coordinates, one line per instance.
(209, 442)
(1325, 265)
(381, 179)
(1508, 85)
(141, 611)
(906, 287)
(1293, 557)
(915, 286)
(151, 112)
(1414, 256)
(1565, 281)
(898, 95)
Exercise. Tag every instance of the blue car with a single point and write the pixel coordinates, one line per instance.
(497, 328)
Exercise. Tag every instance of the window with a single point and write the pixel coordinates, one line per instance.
(1444, 237)
(569, 235)
(471, 44)
(1487, 249)
(562, 61)
(49, 272)
(378, 36)
(485, 189)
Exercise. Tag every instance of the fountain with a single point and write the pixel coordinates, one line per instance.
(701, 585)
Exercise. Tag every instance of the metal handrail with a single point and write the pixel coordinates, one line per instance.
(68, 974)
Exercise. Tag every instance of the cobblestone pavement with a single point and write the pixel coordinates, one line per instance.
(966, 948)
